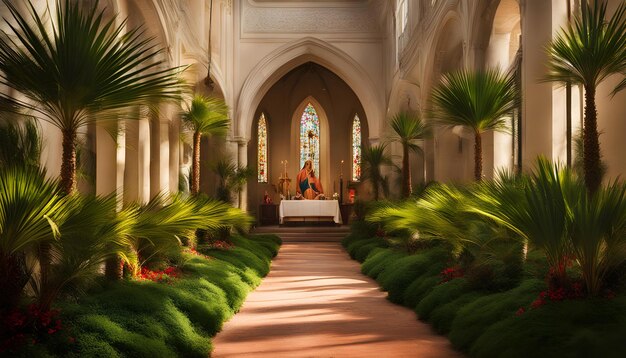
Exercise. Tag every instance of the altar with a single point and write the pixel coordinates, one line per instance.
(309, 211)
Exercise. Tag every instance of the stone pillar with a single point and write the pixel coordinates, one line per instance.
(137, 170)
(174, 148)
(159, 153)
(611, 123)
(497, 147)
(543, 104)
(242, 160)
(110, 159)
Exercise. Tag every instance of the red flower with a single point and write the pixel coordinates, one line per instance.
(538, 303)
(520, 311)
(451, 273)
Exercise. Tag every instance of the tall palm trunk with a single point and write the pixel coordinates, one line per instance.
(591, 144)
(478, 156)
(195, 166)
(113, 268)
(406, 172)
(68, 164)
(375, 185)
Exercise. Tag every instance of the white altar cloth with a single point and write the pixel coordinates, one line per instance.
(309, 208)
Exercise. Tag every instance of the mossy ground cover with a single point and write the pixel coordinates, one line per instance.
(488, 323)
(154, 319)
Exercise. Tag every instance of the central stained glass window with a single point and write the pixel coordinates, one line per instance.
(310, 138)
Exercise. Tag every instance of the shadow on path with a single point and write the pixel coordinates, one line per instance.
(316, 303)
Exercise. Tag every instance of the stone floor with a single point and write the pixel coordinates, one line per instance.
(316, 303)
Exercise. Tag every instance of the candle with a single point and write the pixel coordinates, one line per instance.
(341, 170)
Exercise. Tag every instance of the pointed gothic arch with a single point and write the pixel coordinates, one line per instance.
(274, 66)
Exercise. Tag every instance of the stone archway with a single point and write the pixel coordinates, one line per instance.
(294, 54)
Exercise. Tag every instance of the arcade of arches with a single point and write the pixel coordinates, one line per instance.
(362, 58)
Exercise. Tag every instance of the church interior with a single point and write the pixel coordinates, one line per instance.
(366, 59)
(319, 81)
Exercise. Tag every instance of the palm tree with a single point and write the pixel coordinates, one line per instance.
(84, 70)
(374, 158)
(586, 52)
(478, 101)
(409, 128)
(232, 178)
(205, 116)
(30, 206)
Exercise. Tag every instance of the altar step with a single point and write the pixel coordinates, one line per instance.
(305, 234)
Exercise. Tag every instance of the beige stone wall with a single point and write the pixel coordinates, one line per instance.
(372, 67)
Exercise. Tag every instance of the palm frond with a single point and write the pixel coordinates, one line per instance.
(207, 116)
(82, 65)
(373, 159)
(480, 100)
(409, 127)
(30, 207)
(590, 48)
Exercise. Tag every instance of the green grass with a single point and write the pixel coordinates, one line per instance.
(148, 319)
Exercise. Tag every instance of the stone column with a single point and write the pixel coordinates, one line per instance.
(137, 170)
(543, 104)
(110, 161)
(159, 153)
(497, 147)
(242, 160)
(174, 148)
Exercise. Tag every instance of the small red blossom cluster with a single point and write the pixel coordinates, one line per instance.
(28, 326)
(450, 273)
(220, 245)
(556, 294)
(158, 276)
(380, 233)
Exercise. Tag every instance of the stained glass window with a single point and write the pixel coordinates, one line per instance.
(356, 148)
(310, 138)
(262, 149)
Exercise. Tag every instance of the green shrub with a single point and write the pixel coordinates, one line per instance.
(473, 319)
(149, 319)
(575, 328)
(440, 295)
(442, 316)
(378, 261)
(356, 245)
(363, 252)
(418, 288)
(400, 273)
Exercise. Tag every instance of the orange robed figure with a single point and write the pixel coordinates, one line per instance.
(308, 184)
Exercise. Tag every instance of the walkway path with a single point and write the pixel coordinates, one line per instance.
(316, 303)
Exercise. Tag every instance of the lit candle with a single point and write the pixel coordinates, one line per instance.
(341, 170)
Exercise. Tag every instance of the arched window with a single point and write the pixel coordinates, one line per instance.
(356, 148)
(310, 138)
(262, 149)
